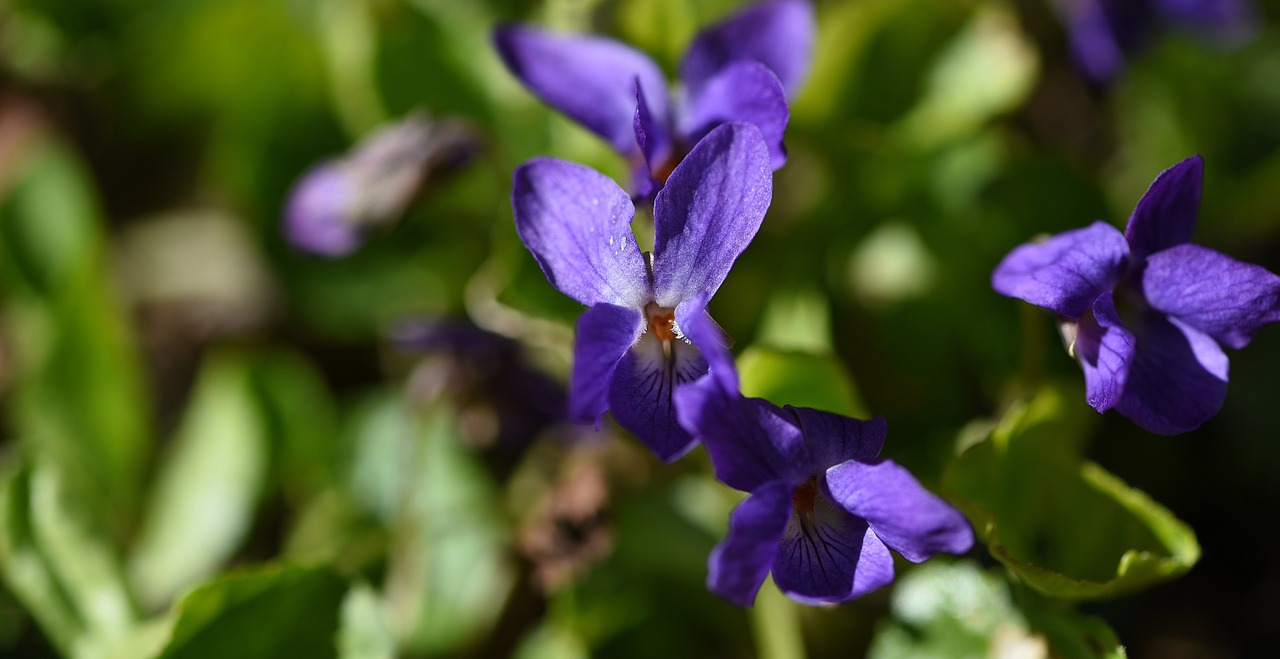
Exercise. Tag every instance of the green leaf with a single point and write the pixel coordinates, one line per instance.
(60, 563)
(78, 395)
(267, 612)
(954, 609)
(366, 631)
(801, 379)
(1066, 527)
(988, 69)
(202, 505)
(448, 571)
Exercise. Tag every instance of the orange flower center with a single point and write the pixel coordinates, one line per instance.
(802, 497)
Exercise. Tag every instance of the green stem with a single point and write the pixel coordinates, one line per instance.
(775, 621)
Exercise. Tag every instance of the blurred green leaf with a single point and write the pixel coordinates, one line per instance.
(551, 641)
(204, 497)
(268, 612)
(1066, 527)
(988, 69)
(61, 564)
(448, 570)
(954, 609)
(301, 418)
(365, 632)
(800, 379)
(78, 395)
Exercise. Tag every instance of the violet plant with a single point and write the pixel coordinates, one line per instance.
(1144, 311)
(742, 69)
(823, 509)
(630, 353)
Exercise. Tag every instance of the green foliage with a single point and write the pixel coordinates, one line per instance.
(267, 612)
(299, 487)
(1064, 526)
(69, 334)
(954, 609)
(208, 485)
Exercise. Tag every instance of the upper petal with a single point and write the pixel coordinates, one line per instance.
(577, 223)
(708, 212)
(591, 79)
(1105, 350)
(604, 334)
(1178, 379)
(1067, 272)
(742, 91)
(655, 147)
(907, 517)
(834, 438)
(1166, 214)
(751, 441)
(778, 34)
(1212, 292)
(642, 393)
(739, 563)
(829, 555)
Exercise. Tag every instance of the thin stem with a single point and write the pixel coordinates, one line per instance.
(775, 622)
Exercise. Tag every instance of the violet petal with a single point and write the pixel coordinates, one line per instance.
(708, 212)
(778, 34)
(642, 393)
(1067, 272)
(1166, 214)
(743, 91)
(591, 79)
(830, 556)
(604, 334)
(1212, 292)
(908, 518)
(1178, 378)
(577, 224)
(699, 327)
(750, 440)
(1105, 350)
(739, 563)
(834, 438)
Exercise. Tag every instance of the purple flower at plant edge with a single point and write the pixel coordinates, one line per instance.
(336, 203)
(742, 69)
(504, 401)
(629, 350)
(1102, 33)
(823, 510)
(1144, 311)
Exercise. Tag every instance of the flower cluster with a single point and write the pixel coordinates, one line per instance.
(1145, 311)
(1102, 33)
(823, 510)
(743, 69)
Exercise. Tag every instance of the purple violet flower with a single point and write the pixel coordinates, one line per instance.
(1102, 33)
(629, 350)
(1144, 311)
(337, 202)
(823, 510)
(742, 69)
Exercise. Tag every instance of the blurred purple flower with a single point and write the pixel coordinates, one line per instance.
(629, 350)
(504, 402)
(1102, 33)
(338, 202)
(1144, 311)
(742, 69)
(823, 510)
